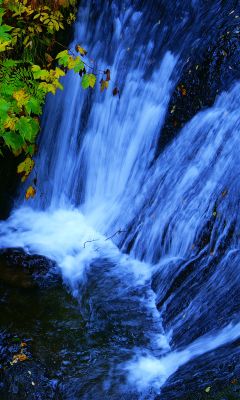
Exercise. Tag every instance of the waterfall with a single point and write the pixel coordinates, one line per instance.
(154, 230)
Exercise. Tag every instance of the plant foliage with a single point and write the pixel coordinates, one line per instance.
(28, 71)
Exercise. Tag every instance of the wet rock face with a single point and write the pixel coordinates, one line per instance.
(26, 271)
(24, 282)
(217, 370)
(27, 381)
(204, 75)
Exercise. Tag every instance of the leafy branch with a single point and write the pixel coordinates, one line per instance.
(28, 72)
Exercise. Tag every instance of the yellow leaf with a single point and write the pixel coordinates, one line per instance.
(21, 96)
(4, 46)
(47, 87)
(207, 390)
(71, 62)
(55, 74)
(104, 85)
(25, 168)
(30, 192)
(81, 50)
(49, 58)
(10, 123)
(26, 40)
(19, 357)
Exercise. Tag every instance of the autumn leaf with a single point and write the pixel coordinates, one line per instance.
(63, 3)
(21, 97)
(58, 72)
(107, 72)
(19, 358)
(25, 168)
(47, 87)
(4, 46)
(115, 91)
(224, 193)
(49, 59)
(88, 80)
(183, 90)
(30, 192)
(10, 123)
(104, 85)
(81, 50)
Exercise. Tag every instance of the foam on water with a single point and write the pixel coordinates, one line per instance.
(148, 371)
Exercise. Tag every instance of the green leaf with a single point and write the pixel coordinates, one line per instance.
(7, 28)
(28, 128)
(88, 80)
(33, 106)
(31, 149)
(63, 58)
(8, 63)
(39, 73)
(79, 66)
(7, 88)
(13, 140)
(4, 107)
(2, 12)
(35, 128)
(4, 36)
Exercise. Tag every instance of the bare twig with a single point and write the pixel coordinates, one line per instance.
(89, 241)
(116, 233)
(108, 238)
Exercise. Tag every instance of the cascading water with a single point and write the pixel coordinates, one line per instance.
(176, 216)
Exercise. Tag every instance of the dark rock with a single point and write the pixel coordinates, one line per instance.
(26, 381)
(203, 77)
(22, 270)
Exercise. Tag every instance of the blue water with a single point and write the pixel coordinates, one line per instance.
(160, 234)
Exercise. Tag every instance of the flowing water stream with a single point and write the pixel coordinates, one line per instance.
(129, 230)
